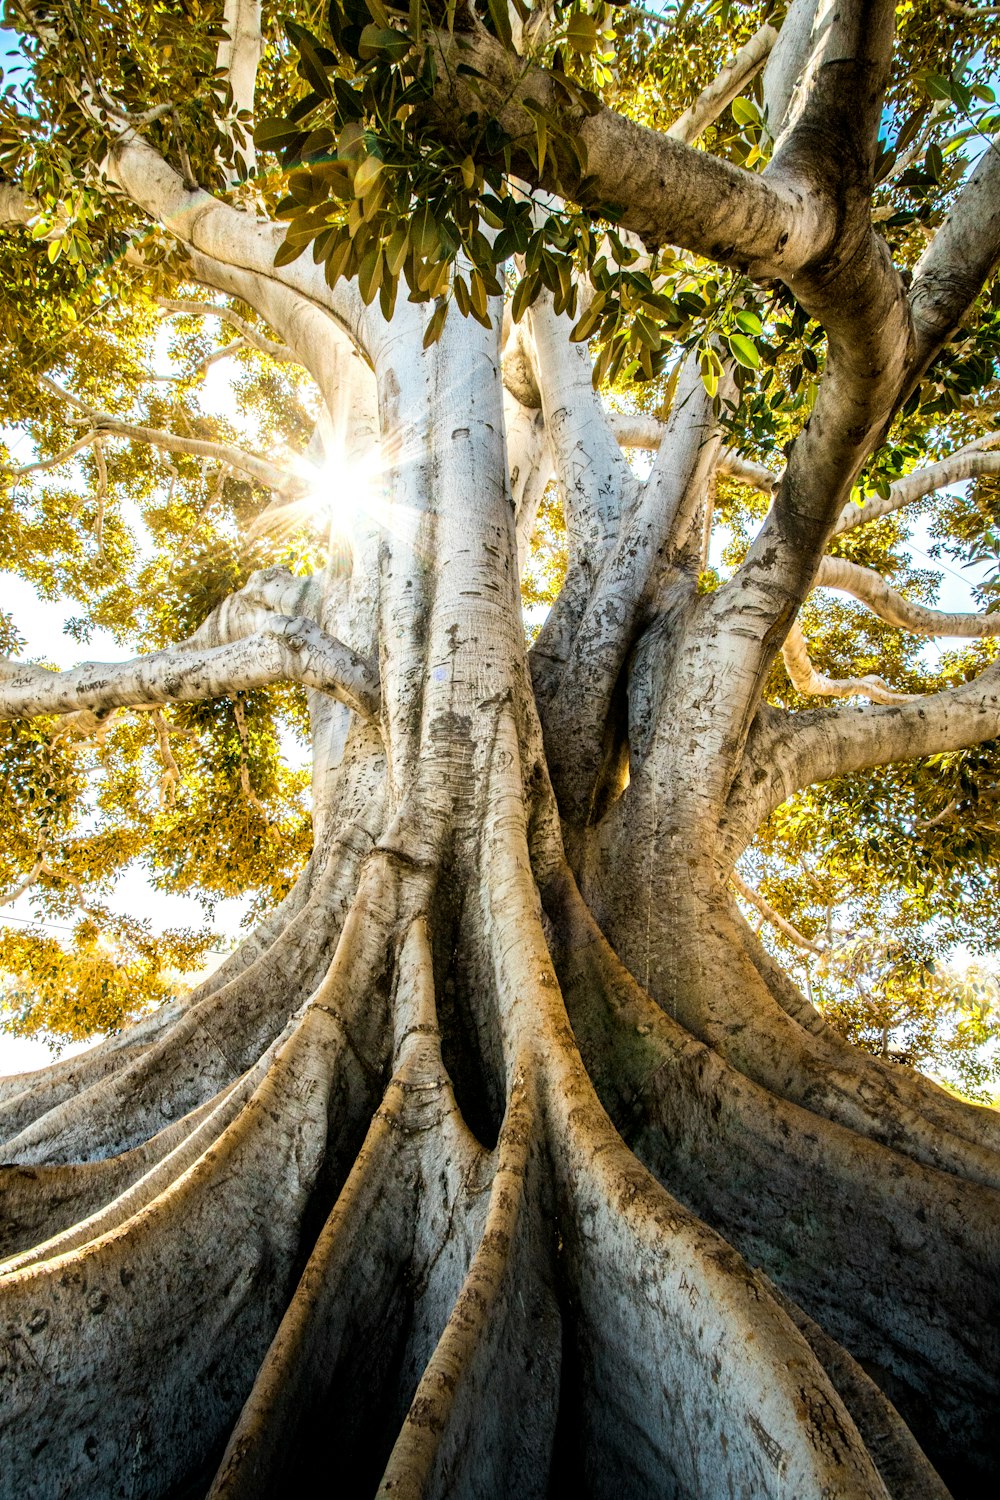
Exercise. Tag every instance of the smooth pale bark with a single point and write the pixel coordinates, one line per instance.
(454, 1180)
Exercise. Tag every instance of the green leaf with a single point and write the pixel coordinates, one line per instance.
(527, 290)
(744, 351)
(500, 17)
(582, 34)
(435, 327)
(749, 322)
(745, 112)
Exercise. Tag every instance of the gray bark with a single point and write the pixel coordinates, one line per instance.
(502, 1157)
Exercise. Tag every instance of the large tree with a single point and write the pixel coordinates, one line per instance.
(502, 1152)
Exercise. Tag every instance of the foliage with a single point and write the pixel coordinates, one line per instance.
(370, 183)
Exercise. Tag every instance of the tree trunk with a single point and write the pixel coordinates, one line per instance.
(502, 1157)
(464, 1183)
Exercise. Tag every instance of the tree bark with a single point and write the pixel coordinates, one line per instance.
(501, 1157)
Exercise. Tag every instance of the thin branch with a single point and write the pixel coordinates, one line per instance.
(189, 307)
(923, 825)
(62, 457)
(970, 462)
(775, 918)
(265, 473)
(171, 770)
(805, 678)
(25, 885)
(972, 12)
(732, 80)
(102, 493)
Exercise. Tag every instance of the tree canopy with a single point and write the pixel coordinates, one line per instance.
(133, 498)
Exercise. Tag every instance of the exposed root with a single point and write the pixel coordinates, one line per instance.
(897, 1261)
(690, 1379)
(211, 1043)
(131, 1352)
(381, 1280)
(702, 976)
(37, 1203)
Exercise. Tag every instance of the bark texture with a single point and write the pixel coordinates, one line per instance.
(502, 1158)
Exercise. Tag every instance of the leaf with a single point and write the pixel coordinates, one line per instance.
(288, 251)
(366, 175)
(527, 290)
(711, 370)
(387, 296)
(745, 112)
(749, 322)
(435, 327)
(396, 249)
(480, 301)
(310, 58)
(500, 17)
(582, 34)
(370, 274)
(743, 350)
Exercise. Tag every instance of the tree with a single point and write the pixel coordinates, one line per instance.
(501, 1148)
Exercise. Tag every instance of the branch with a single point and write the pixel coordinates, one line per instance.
(16, 207)
(806, 679)
(735, 466)
(238, 58)
(972, 12)
(226, 235)
(792, 751)
(594, 478)
(969, 462)
(641, 430)
(25, 885)
(667, 193)
(266, 593)
(949, 275)
(270, 347)
(732, 80)
(265, 473)
(774, 917)
(288, 650)
(871, 589)
(63, 456)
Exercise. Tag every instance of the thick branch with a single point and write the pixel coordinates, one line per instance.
(796, 750)
(889, 604)
(16, 207)
(963, 254)
(668, 193)
(294, 650)
(806, 679)
(226, 235)
(238, 59)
